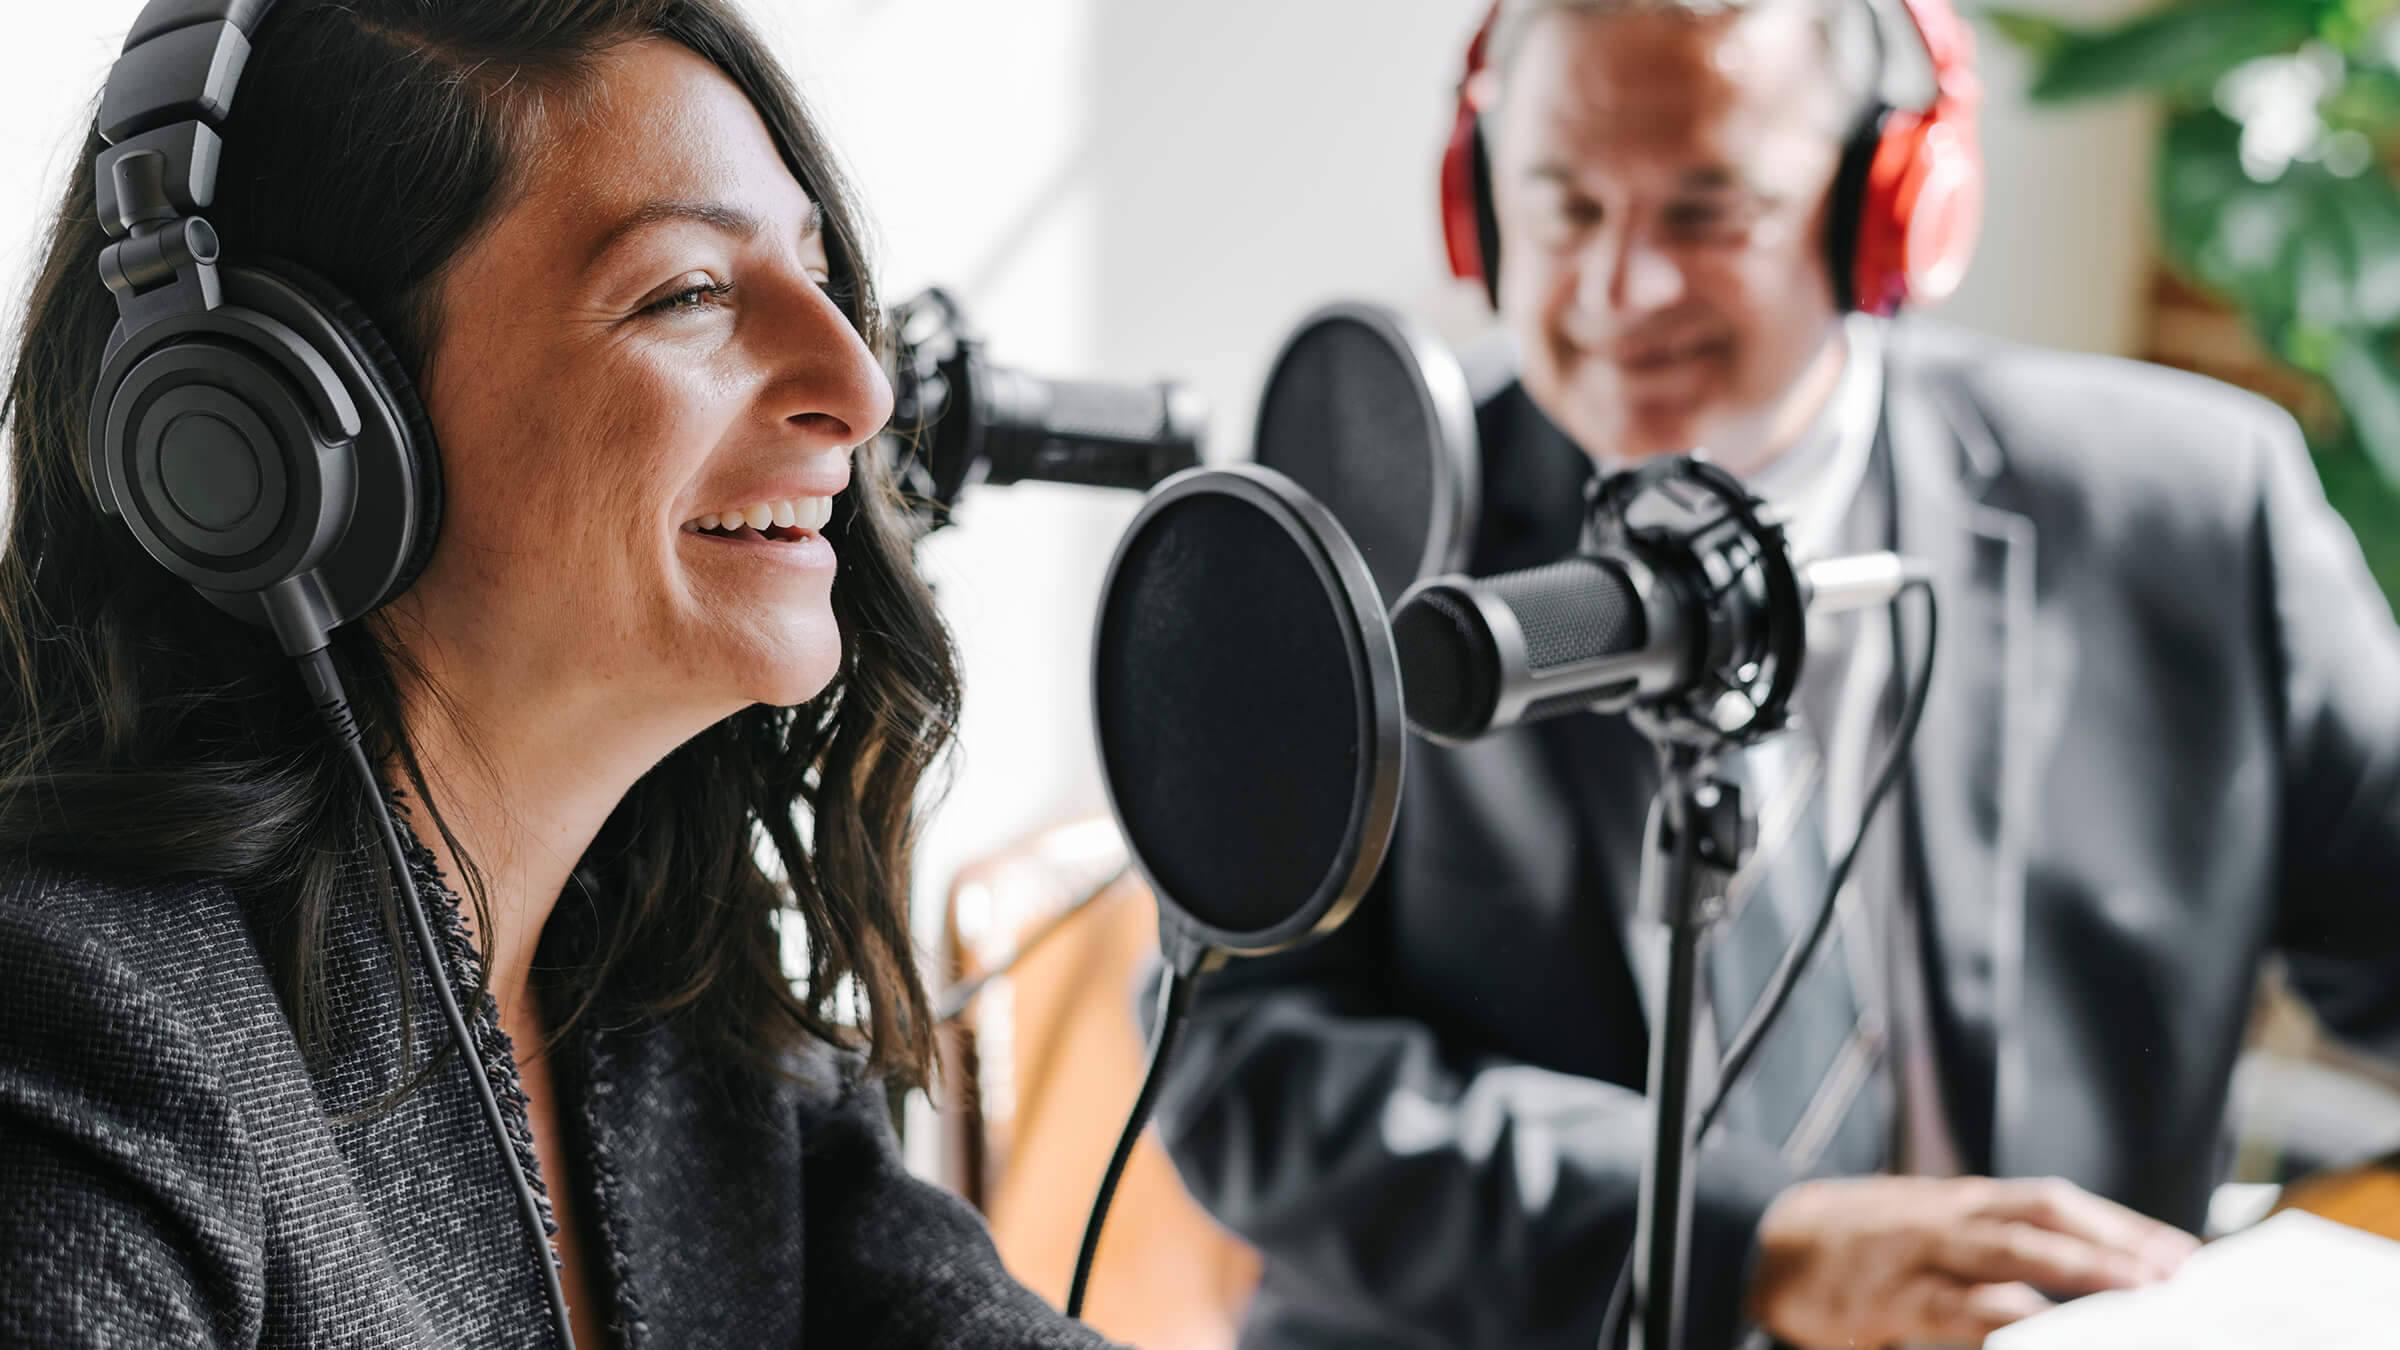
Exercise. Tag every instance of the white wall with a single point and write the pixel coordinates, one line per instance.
(1144, 188)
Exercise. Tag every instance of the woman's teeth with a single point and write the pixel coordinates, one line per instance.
(801, 513)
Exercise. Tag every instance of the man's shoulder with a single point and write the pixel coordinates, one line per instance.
(2101, 438)
(2049, 408)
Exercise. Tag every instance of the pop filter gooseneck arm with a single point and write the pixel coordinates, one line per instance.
(1246, 695)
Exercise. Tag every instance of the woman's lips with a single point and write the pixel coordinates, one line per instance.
(783, 544)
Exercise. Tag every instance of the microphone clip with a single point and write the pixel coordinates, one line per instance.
(1700, 531)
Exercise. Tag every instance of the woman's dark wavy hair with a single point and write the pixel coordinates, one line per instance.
(141, 730)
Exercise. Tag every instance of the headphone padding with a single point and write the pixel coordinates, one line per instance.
(1846, 205)
(399, 388)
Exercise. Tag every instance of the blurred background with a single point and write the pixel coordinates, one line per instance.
(1143, 190)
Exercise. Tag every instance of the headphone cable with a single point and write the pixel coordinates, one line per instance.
(325, 689)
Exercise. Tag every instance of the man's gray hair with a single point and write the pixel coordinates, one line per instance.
(1853, 45)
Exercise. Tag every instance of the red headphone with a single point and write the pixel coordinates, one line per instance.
(1908, 198)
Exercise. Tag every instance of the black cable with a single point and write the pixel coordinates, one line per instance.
(334, 706)
(1620, 1297)
(1174, 1004)
(1786, 978)
(1796, 958)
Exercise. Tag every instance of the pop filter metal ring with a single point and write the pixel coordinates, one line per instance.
(1445, 401)
(1185, 939)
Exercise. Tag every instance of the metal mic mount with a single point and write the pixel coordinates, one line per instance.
(1712, 537)
(1684, 609)
(959, 420)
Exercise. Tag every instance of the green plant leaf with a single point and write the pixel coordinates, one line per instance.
(2182, 48)
(2222, 229)
(2037, 35)
(2309, 250)
(2369, 505)
(2367, 381)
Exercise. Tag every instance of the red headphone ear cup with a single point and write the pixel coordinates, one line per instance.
(1461, 233)
(1920, 213)
(1470, 231)
(1878, 271)
(1944, 214)
(1919, 204)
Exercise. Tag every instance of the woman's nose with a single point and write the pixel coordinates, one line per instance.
(827, 379)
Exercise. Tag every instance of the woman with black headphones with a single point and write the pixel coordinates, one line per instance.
(397, 846)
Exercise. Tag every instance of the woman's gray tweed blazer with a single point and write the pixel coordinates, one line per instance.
(172, 1174)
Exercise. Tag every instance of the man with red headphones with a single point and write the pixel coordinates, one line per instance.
(2162, 739)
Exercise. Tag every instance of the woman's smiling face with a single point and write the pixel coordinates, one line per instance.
(641, 344)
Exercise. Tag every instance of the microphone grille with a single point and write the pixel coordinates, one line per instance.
(1576, 609)
(1449, 665)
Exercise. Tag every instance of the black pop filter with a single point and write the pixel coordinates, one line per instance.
(1247, 701)
(1372, 416)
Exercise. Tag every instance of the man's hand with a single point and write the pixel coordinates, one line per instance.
(1876, 1261)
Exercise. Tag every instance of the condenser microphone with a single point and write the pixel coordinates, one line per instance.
(1705, 608)
(958, 420)
(1373, 417)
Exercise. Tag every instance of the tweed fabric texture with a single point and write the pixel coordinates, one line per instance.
(173, 1174)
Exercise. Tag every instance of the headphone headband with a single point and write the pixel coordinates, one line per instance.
(249, 425)
(164, 108)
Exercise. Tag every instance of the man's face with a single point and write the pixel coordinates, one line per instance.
(1660, 181)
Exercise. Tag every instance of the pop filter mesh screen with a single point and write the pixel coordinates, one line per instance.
(1227, 697)
(1344, 416)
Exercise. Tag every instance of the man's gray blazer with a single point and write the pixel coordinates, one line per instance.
(2163, 738)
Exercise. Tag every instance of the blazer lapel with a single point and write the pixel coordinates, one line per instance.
(1971, 768)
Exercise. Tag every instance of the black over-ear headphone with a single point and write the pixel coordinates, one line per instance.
(250, 426)
(255, 432)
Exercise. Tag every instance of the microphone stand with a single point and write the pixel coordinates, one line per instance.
(1698, 838)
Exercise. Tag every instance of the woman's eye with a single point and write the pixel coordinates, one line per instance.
(695, 297)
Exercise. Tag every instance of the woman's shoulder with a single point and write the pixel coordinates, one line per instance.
(120, 986)
(120, 1002)
(171, 935)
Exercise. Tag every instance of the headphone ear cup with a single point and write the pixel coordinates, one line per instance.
(1470, 229)
(1846, 226)
(1908, 200)
(1944, 212)
(398, 517)
(1466, 194)
(1487, 217)
(1920, 211)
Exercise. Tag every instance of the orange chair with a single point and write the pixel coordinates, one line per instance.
(1038, 1073)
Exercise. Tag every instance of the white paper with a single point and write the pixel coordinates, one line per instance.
(2294, 1282)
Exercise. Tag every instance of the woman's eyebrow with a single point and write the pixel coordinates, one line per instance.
(731, 219)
